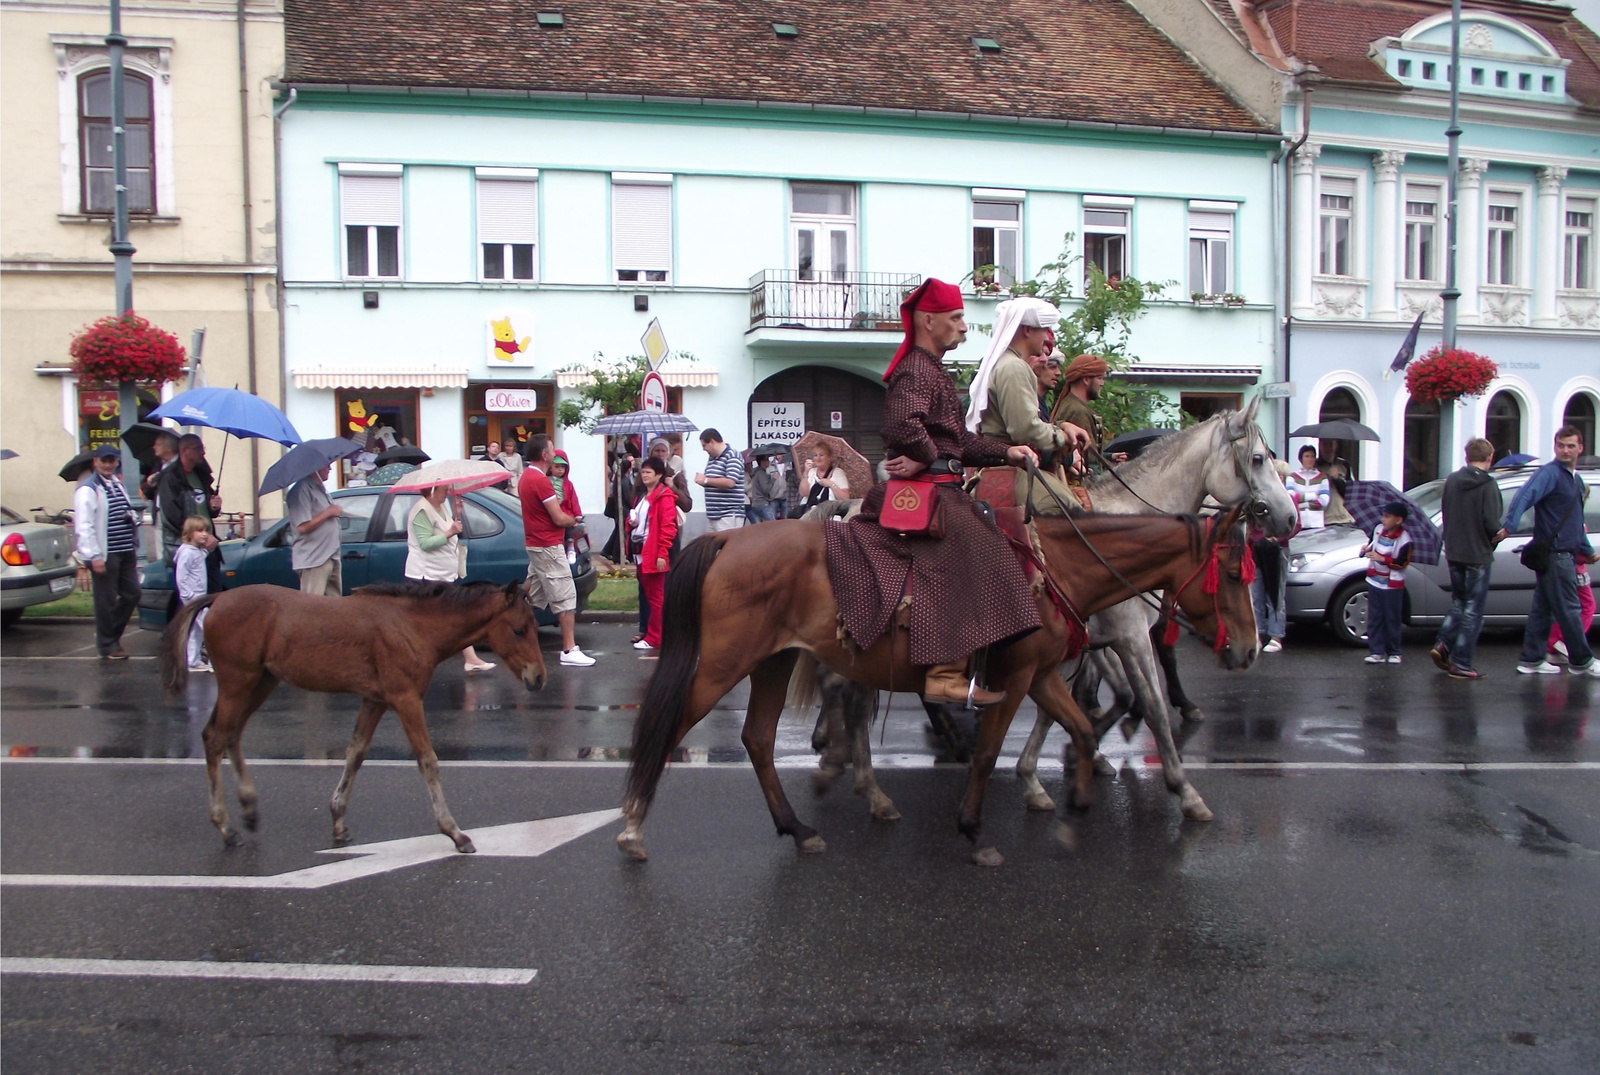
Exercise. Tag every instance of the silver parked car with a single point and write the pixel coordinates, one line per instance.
(1327, 576)
(38, 565)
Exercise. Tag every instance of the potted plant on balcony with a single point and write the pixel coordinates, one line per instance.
(1446, 374)
(1229, 298)
(126, 348)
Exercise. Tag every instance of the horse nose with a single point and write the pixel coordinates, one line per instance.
(533, 678)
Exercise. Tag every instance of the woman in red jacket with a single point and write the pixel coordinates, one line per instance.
(661, 528)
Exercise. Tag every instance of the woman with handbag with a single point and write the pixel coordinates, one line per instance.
(434, 552)
(660, 528)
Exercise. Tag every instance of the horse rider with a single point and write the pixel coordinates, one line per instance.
(1005, 393)
(966, 588)
(1081, 383)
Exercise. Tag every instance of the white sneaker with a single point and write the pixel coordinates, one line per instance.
(576, 657)
(1272, 646)
(200, 668)
(1561, 648)
(1543, 668)
(642, 644)
(1590, 669)
(1394, 658)
(1373, 658)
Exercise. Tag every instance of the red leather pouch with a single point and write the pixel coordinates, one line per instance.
(912, 508)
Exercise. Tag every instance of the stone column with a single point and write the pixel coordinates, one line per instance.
(1303, 229)
(1547, 247)
(1385, 231)
(1469, 235)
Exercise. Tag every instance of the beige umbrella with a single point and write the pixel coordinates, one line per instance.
(855, 466)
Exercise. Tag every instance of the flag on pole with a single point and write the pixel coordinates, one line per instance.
(1407, 349)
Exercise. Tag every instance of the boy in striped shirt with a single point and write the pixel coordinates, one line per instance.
(1388, 555)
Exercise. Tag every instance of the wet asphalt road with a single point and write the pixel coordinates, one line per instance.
(1403, 875)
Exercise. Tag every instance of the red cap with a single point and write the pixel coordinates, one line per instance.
(932, 295)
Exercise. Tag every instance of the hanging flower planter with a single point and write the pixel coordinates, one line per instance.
(126, 348)
(1446, 375)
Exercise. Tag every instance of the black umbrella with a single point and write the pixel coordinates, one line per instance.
(141, 438)
(7, 453)
(304, 460)
(1137, 440)
(402, 453)
(1338, 429)
(77, 467)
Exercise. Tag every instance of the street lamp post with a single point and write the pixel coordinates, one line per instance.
(1451, 294)
(121, 249)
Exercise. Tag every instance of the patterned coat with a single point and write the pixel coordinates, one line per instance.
(968, 591)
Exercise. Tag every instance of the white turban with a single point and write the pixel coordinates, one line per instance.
(1009, 316)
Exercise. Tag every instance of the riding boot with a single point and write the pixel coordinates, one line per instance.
(949, 683)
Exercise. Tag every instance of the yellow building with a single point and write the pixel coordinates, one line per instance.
(202, 210)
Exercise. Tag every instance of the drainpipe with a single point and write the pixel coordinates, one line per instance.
(1288, 243)
(249, 252)
(277, 229)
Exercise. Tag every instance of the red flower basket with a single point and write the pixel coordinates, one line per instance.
(1446, 375)
(126, 348)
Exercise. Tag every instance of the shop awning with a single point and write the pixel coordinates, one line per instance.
(675, 374)
(356, 377)
(1239, 374)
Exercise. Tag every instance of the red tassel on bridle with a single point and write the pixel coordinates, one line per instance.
(1210, 584)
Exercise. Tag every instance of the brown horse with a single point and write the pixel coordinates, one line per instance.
(746, 602)
(382, 643)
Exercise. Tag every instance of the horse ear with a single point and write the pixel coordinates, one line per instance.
(510, 590)
(1251, 411)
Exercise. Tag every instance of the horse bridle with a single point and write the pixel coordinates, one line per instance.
(1254, 506)
(1212, 568)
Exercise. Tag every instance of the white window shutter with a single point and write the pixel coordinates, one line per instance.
(370, 199)
(1339, 186)
(1211, 221)
(641, 224)
(508, 211)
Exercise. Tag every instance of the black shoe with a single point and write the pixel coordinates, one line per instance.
(1465, 673)
(1441, 658)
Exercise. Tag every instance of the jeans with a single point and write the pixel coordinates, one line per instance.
(1270, 616)
(1383, 620)
(1555, 600)
(116, 596)
(763, 513)
(1469, 592)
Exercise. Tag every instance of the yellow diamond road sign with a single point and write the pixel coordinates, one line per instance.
(655, 343)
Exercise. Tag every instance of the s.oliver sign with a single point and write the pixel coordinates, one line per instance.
(510, 399)
(777, 423)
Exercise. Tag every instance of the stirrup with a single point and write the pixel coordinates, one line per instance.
(972, 687)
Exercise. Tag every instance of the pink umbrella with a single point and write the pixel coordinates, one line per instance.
(461, 475)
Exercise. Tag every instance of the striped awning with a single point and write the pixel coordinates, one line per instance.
(675, 374)
(351, 377)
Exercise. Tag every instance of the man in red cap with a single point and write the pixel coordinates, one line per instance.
(966, 588)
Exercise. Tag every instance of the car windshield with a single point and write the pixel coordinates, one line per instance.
(11, 517)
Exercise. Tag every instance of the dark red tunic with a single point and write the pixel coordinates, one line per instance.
(967, 588)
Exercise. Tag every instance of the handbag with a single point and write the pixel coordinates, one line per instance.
(912, 509)
(1536, 553)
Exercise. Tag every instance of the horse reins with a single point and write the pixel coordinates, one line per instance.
(1212, 585)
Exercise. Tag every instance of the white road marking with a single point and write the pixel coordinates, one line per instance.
(279, 972)
(523, 839)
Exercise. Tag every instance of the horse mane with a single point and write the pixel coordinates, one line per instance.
(448, 594)
(1155, 454)
(1192, 523)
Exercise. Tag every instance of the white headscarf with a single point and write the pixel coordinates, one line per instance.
(1009, 316)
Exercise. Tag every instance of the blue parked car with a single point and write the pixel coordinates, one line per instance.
(372, 531)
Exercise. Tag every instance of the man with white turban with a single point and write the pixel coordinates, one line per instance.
(1005, 393)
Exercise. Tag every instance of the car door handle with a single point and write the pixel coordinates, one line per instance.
(355, 556)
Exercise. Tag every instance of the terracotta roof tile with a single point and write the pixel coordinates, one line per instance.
(1096, 60)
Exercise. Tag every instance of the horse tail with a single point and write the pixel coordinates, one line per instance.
(655, 732)
(175, 646)
(803, 683)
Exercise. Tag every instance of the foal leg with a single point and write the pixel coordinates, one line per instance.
(215, 739)
(246, 786)
(769, 686)
(366, 723)
(860, 706)
(409, 709)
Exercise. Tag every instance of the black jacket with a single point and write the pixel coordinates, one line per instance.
(175, 501)
(1472, 509)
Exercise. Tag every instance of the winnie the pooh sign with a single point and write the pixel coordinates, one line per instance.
(509, 343)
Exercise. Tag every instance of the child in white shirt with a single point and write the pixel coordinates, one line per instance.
(189, 571)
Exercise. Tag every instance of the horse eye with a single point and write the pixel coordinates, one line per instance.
(519, 631)
(1258, 459)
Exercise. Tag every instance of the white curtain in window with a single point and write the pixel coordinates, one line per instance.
(370, 199)
(508, 211)
(641, 225)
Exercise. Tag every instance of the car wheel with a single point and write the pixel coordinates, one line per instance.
(10, 616)
(1347, 614)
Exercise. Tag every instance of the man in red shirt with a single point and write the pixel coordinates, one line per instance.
(544, 533)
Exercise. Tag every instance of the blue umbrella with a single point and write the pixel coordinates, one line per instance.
(230, 410)
(642, 422)
(1515, 459)
(304, 460)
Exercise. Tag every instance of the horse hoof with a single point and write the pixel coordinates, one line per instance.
(1198, 811)
(1039, 801)
(1103, 766)
(343, 839)
(1065, 835)
(811, 845)
(1193, 713)
(230, 838)
(252, 821)
(886, 812)
(1077, 801)
(632, 846)
(988, 856)
(465, 846)
(822, 780)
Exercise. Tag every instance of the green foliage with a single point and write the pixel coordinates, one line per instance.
(1101, 324)
(614, 390)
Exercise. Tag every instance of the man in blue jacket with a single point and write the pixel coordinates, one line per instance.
(1557, 494)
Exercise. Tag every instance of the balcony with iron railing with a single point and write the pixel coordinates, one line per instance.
(828, 300)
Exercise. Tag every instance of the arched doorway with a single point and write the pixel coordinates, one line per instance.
(1422, 443)
(1580, 413)
(825, 391)
(1503, 426)
(1341, 403)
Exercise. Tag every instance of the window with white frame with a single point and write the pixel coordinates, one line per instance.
(822, 230)
(1505, 211)
(1335, 225)
(996, 240)
(1577, 255)
(370, 211)
(641, 227)
(1105, 238)
(508, 224)
(95, 137)
(1210, 252)
(83, 103)
(1422, 232)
